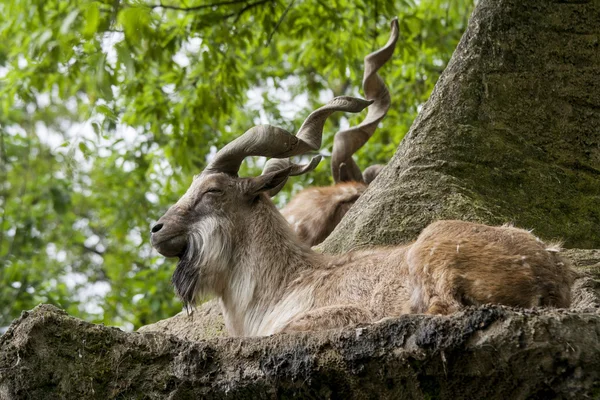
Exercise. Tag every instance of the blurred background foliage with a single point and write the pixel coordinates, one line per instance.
(108, 108)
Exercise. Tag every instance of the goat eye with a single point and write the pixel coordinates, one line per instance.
(213, 191)
(208, 194)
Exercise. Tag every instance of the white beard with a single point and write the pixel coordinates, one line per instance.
(203, 267)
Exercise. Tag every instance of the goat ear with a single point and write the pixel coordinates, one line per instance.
(267, 182)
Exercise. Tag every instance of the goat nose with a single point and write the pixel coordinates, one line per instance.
(157, 227)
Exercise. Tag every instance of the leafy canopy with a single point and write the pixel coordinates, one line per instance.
(107, 108)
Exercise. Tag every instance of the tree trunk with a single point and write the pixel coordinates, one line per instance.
(511, 133)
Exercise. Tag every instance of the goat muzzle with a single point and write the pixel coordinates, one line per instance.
(168, 243)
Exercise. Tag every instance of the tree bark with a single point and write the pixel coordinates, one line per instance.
(511, 133)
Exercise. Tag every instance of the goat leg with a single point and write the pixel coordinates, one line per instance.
(437, 306)
(330, 317)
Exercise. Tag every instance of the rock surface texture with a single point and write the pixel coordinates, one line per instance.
(490, 352)
(511, 133)
(487, 352)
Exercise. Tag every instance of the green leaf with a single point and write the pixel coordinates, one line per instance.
(106, 111)
(84, 148)
(135, 21)
(43, 38)
(92, 19)
(97, 129)
(125, 58)
(65, 28)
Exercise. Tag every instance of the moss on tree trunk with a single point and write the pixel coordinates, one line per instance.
(511, 133)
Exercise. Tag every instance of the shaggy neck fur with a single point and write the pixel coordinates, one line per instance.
(267, 259)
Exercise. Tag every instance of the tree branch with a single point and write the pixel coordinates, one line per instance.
(115, 10)
(21, 193)
(224, 17)
(375, 30)
(92, 250)
(243, 10)
(196, 8)
(3, 177)
(279, 22)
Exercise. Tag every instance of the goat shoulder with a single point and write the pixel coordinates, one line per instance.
(315, 212)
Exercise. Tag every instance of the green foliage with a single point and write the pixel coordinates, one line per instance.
(107, 109)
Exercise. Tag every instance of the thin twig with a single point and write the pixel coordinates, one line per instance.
(3, 177)
(375, 32)
(225, 17)
(196, 8)
(2, 150)
(449, 4)
(92, 250)
(24, 182)
(279, 22)
(243, 10)
(343, 89)
(115, 11)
